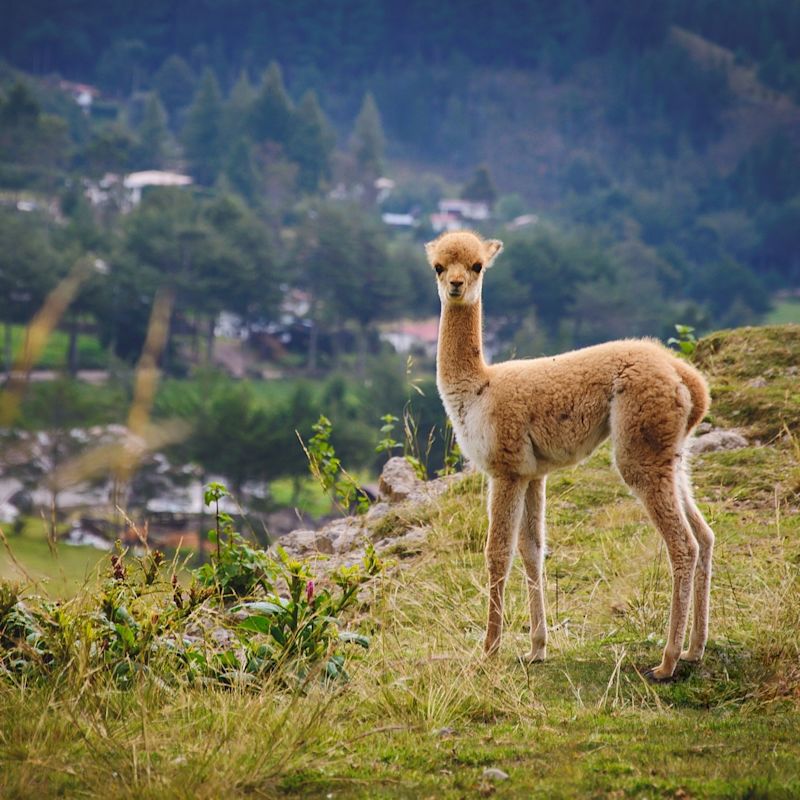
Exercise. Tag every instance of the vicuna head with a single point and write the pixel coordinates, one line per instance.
(459, 259)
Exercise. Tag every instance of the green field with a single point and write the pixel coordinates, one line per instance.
(783, 313)
(91, 354)
(58, 571)
(424, 713)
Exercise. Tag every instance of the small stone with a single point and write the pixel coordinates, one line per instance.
(495, 774)
(757, 383)
(442, 732)
(301, 542)
(716, 440)
(409, 543)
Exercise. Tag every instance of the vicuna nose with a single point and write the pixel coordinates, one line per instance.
(456, 284)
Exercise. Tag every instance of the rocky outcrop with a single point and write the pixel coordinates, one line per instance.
(343, 542)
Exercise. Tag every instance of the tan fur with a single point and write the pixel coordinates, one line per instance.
(519, 420)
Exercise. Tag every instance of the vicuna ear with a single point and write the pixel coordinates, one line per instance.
(492, 248)
(430, 252)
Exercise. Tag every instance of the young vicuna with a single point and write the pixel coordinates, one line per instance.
(519, 420)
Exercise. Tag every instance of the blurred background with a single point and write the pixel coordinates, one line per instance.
(214, 214)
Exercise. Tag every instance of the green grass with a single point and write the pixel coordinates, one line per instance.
(59, 572)
(783, 313)
(424, 713)
(91, 354)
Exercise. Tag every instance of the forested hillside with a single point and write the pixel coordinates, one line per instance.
(641, 161)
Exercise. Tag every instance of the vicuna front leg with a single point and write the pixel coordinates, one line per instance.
(506, 500)
(531, 548)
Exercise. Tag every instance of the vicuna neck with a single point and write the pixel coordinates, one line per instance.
(459, 358)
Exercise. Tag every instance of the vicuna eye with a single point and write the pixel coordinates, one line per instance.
(477, 266)
(439, 269)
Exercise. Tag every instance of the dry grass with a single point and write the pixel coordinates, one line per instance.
(424, 712)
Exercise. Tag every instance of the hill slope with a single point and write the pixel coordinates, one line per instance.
(424, 714)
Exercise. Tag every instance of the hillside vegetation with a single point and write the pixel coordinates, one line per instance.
(424, 714)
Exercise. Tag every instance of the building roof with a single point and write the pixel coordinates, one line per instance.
(155, 177)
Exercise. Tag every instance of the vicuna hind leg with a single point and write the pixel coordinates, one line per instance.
(702, 575)
(506, 499)
(657, 489)
(531, 548)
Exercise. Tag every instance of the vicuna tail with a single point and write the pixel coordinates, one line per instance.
(698, 389)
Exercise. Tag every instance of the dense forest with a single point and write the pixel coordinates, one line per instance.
(641, 160)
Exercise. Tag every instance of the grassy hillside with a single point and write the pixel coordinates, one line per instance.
(424, 714)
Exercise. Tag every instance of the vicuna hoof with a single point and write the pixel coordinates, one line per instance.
(539, 654)
(658, 675)
(688, 655)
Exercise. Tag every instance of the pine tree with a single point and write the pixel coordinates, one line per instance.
(202, 134)
(311, 143)
(368, 140)
(480, 187)
(238, 108)
(175, 83)
(153, 133)
(271, 112)
(242, 170)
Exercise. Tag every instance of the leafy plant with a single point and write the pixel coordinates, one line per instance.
(388, 442)
(143, 622)
(686, 342)
(326, 467)
(237, 569)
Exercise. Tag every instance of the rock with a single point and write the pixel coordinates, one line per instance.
(398, 481)
(495, 774)
(305, 542)
(716, 440)
(409, 543)
(345, 534)
(757, 383)
(377, 511)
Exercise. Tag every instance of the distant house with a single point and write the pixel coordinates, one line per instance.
(383, 188)
(523, 221)
(412, 336)
(398, 220)
(456, 214)
(135, 182)
(445, 222)
(126, 191)
(82, 93)
(465, 209)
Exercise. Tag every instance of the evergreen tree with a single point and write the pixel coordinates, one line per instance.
(480, 187)
(112, 148)
(271, 112)
(202, 135)
(175, 83)
(242, 170)
(368, 140)
(238, 108)
(311, 143)
(153, 133)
